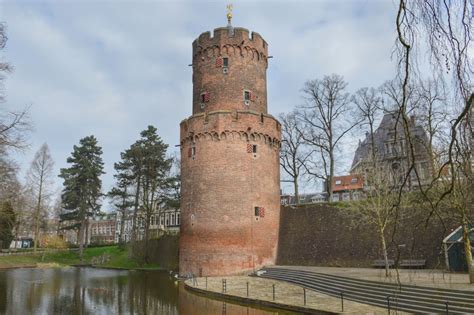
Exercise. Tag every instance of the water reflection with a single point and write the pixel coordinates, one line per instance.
(96, 291)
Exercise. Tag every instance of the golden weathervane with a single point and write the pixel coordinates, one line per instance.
(229, 12)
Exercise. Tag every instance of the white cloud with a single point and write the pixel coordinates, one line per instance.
(111, 68)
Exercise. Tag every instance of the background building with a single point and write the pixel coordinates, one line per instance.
(392, 153)
(348, 187)
(102, 229)
(163, 221)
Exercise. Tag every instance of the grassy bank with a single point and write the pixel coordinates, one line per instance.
(117, 258)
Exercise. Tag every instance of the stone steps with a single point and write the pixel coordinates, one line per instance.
(405, 298)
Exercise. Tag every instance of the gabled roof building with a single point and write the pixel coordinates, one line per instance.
(392, 152)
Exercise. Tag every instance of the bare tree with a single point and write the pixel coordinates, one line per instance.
(325, 122)
(432, 114)
(13, 124)
(293, 155)
(5, 67)
(378, 208)
(368, 109)
(39, 179)
(444, 27)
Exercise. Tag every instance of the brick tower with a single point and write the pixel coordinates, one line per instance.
(230, 205)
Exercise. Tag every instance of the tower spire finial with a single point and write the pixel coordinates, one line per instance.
(229, 13)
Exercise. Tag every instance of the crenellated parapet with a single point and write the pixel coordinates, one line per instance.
(225, 42)
(231, 125)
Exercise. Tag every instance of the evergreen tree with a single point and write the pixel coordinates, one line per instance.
(7, 223)
(120, 194)
(155, 177)
(82, 186)
(131, 164)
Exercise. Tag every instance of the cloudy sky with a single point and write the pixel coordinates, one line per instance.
(110, 68)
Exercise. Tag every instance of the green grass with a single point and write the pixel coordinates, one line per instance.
(17, 261)
(118, 258)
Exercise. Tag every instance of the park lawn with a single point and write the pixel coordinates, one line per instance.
(118, 259)
(17, 261)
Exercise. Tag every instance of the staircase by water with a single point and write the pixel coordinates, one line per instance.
(406, 298)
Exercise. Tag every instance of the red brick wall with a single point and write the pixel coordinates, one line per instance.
(223, 183)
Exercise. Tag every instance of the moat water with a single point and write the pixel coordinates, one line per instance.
(97, 291)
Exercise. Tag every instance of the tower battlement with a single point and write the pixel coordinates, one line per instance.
(238, 37)
(231, 125)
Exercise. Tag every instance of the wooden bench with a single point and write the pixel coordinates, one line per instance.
(413, 263)
(380, 263)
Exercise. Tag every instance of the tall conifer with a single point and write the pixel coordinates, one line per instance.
(82, 186)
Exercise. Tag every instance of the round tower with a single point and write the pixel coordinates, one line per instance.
(230, 195)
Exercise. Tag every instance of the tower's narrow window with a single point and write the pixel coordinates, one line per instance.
(205, 97)
(192, 152)
(225, 62)
(261, 118)
(254, 149)
(247, 97)
(257, 211)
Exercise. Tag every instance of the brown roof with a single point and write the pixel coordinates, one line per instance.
(348, 182)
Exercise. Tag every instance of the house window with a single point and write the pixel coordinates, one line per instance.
(225, 62)
(172, 219)
(177, 219)
(167, 220)
(338, 182)
(354, 181)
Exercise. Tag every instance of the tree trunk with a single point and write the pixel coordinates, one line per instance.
(86, 238)
(468, 251)
(331, 174)
(81, 241)
(37, 214)
(147, 230)
(122, 228)
(134, 220)
(385, 254)
(297, 195)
